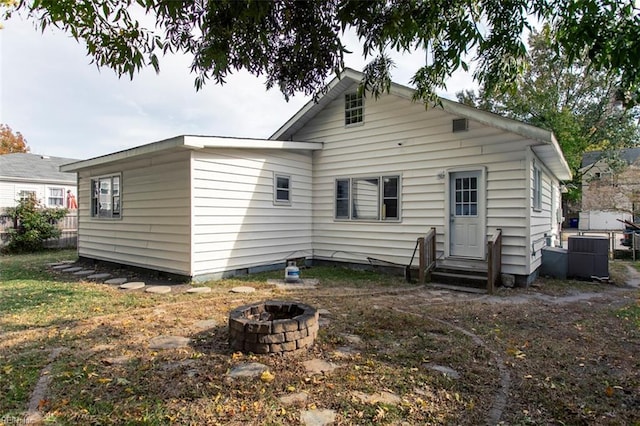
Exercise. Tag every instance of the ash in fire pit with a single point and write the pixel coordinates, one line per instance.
(273, 327)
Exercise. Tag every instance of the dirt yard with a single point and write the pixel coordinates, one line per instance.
(397, 354)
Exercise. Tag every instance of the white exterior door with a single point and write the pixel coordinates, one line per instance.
(466, 224)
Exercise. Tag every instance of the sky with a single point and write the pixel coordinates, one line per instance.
(66, 107)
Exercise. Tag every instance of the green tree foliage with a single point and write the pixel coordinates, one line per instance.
(33, 224)
(298, 44)
(582, 106)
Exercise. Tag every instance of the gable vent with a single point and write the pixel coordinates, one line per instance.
(460, 125)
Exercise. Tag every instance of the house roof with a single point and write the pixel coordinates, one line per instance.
(544, 143)
(191, 142)
(629, 155)
(35, 168)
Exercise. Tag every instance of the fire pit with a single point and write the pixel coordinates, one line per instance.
(272, 327)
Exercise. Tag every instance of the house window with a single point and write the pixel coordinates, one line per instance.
(26, 195)
(537, 188)
(56, 197)
(368, 198)
(105, 197)
(466, 193)
(282, 190)
(342, 199)
(353, 108)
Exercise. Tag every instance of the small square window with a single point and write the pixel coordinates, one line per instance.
(282, 190)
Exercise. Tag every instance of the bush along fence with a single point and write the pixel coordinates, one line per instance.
(66, 225)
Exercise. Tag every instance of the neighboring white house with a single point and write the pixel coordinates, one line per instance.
(346, 178)
(23, 175)
(610, 189)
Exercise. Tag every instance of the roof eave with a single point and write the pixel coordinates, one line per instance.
(189, 142)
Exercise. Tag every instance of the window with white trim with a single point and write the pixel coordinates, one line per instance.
(374, 198)
(537, 188)
(353, 108)
(56, 197)
(25, 194)
(282, 189)
(105, 197)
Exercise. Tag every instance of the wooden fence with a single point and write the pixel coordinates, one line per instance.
(68, 225)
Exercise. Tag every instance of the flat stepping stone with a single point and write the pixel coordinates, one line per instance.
(199, 290)
(352, 338)
(116, 360)
(72, 269)
(449, 372)
(345, 352)
(294, 398)
(383, 397)
(243, 289)
(61, 265)
(319, 366)
(169, 342)
(250, 369)
(100, 276)
(317, 417)
(135, 285)
(116, 281)
(158, 289)
(84, 272)
(204, 324)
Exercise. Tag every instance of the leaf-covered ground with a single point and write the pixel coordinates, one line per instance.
(556, 353)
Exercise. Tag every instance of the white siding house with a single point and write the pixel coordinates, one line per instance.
(197, 206)
(370, 177)
(23, 175)
(512, 171)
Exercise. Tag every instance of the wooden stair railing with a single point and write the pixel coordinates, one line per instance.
(494, 260)
(427, 246)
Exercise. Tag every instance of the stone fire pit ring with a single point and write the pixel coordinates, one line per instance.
(272, 327)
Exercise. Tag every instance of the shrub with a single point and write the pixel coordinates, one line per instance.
(33, 223)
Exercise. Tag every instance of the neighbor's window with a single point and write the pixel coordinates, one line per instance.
(105, 197)
(353, 108)
(368, 198)
(537, 188)
(282, 191)
(56, 197)
(25, 195)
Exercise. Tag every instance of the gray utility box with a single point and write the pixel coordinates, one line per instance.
(554, 262)
(588, 256)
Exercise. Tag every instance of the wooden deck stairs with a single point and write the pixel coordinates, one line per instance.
(463, 274)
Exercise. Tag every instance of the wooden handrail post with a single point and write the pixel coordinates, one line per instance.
(422, 264)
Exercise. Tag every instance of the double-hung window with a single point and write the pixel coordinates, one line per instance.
(282, 189)
(373, 198)
(353, 108)
(537, 188)
(25, 194)
(56, 197)
(105, 197)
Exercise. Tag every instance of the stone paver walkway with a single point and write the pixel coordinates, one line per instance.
(135, 285)
(169, 342)
(158, 289)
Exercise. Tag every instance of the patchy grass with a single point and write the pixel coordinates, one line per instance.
(569, 363)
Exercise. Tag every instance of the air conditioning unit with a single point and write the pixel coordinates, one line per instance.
(588, 257)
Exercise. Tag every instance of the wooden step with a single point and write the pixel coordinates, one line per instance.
(459, 278)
